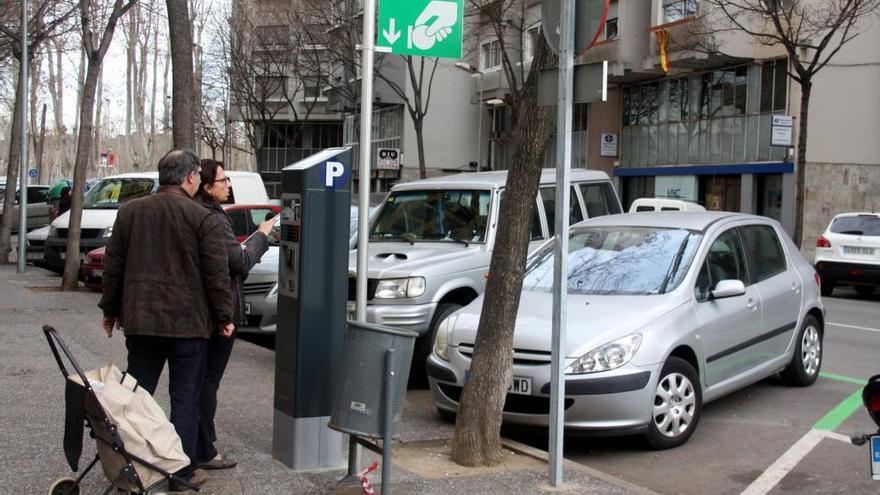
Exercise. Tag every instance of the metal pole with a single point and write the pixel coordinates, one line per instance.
(22, 195)
(387, 417)
(479, 122)
(560, 248)
(364, 162)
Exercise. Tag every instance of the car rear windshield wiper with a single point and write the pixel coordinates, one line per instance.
(852, 232)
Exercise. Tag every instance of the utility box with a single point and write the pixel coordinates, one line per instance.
(312, 292)
(360, 407)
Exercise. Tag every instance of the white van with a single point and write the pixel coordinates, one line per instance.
(664, 204)
(100, 205)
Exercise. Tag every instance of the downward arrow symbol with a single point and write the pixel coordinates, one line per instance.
(391, 34)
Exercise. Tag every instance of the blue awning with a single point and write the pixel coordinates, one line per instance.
(729, 169)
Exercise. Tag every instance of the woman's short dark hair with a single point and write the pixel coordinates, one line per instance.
(176, 165)
(208, 174)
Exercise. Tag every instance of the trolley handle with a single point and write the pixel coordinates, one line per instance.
(55, 341)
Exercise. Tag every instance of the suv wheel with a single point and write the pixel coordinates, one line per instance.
(425, 344)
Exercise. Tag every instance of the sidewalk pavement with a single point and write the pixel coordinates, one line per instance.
(32, 389)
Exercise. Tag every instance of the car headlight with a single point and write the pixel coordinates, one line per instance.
(441, 339)
(108, 232)
(608, 356)
(395, 288)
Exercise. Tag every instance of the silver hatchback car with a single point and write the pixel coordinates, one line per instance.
(666, 311)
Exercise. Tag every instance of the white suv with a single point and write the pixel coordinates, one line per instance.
(848, 253)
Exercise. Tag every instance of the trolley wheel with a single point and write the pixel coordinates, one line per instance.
(65, 486)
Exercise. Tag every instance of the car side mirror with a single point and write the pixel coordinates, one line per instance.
(728, 288)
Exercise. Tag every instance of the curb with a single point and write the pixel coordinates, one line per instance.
(545, 456)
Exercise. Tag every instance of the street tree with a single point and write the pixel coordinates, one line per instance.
(183, 108)
(97, 22)
(811, 32)
(48, 18)
(477, 440)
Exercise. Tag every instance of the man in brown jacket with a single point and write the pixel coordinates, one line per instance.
(166, 278)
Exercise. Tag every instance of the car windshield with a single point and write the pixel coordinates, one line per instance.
(618, 260)
(436, 215)
(858, 225)
(109, 193)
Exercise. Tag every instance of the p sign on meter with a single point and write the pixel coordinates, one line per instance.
(335, 175)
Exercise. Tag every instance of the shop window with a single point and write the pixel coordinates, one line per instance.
(611, 29)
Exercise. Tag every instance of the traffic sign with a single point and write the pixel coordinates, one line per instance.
(589, 16)
(33, 173)
(425, 28)
(388, 159)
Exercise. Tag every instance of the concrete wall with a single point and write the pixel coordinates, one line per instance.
(603, 118)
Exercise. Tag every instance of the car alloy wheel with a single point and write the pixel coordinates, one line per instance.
(811, 350)
(674, 404)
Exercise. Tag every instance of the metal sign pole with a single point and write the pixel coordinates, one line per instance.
(560, 248)
(22, 177)
(364, 161)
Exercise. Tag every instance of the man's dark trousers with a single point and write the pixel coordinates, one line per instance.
(186, 364)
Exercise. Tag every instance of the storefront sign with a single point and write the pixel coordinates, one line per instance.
(781, 130)
(677, 186)
(608, 146)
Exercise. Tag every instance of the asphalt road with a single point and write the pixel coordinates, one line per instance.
(743, 435)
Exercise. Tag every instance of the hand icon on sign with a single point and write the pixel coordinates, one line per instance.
(434, 24)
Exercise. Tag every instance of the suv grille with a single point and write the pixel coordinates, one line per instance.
(371, 288)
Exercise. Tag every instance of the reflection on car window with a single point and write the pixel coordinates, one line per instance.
(724, 262)
(618, 261)
(110, 193)
(764, 250)
(859, 225)
(433, 216)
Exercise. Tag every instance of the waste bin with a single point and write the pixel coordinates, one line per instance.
(358, 408)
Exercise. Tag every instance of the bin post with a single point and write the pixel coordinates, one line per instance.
(387, 417)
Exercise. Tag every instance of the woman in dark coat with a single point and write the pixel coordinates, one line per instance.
(213, 191)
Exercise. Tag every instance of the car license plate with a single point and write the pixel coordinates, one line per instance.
(520, 385)
(34, 255)
(875, 457)
(858, 250)
(247, 308)
(350, 310)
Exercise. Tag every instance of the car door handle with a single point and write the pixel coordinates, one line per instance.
(752, 305)
(795, 288)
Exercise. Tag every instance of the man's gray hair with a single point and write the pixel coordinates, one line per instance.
(176, 165)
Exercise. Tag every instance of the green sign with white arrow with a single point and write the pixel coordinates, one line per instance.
(426, 28)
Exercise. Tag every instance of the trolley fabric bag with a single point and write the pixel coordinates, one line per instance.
(141, 424)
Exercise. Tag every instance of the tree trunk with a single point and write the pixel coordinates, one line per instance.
(477, 440)
(182, 107)
(38, 152)
(70, 280)
(801, 166)
(12, 166)
(419, 126)
(96, 144)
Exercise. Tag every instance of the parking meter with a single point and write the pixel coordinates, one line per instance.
(312, 291)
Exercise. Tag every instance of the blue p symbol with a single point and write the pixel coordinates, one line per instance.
(332, 172)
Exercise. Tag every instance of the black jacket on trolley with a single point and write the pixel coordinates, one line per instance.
(242, 257)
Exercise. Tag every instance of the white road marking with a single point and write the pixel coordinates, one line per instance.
(774, 474)
(855, 327)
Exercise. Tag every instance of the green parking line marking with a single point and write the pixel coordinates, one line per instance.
(839, 414)
(841, 378)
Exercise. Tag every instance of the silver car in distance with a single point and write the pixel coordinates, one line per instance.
(666, 312)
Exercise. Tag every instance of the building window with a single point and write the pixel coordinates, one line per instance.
(530, 42)
(676, 10)
(490, 55)
(611, 29)
(720, 116)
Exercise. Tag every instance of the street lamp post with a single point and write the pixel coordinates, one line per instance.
(470, 69)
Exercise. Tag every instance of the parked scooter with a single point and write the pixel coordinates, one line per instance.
(871, 400)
